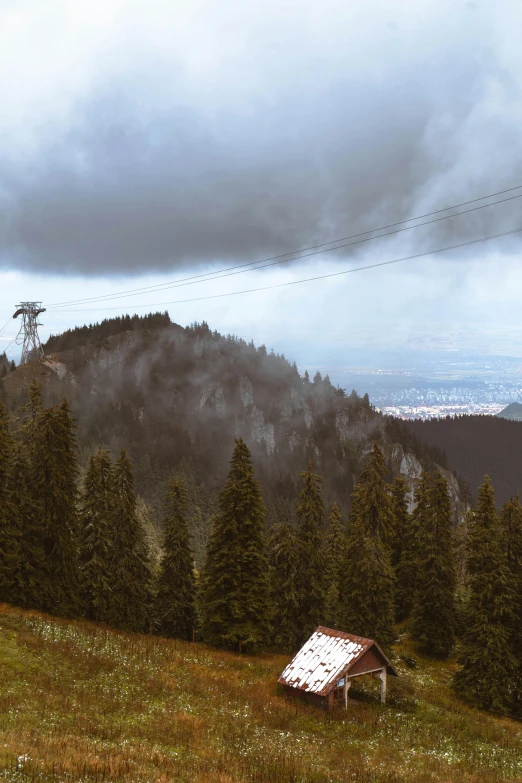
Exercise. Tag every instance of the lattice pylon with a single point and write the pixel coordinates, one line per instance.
(28, 335)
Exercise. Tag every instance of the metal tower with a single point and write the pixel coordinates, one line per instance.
(28, 334)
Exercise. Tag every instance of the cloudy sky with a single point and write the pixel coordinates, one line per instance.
(143, 143)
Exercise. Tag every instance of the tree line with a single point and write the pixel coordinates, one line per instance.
(83, 335)
(77, 549)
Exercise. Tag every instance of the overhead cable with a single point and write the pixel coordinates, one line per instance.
(309, 279)
(281, 259)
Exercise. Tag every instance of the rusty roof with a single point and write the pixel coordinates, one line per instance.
(324, 659)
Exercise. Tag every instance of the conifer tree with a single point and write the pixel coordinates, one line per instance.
(511, 523)
(433, 617)
(10, 555)
(334, 549)
(371, 500)
(367, 587)
(54, 480)
(27, 502)
(310, 577)
(97, 537)
(235, 586)
(407, 570)
(284, 566)
(32, 409)
(176, 596)
(131, 580)
(490, 668)
(367, 581)
(400, 516)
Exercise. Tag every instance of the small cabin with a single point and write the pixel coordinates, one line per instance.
(326, 665)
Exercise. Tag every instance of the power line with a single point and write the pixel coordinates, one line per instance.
(310, 279)
(10, 344)
(6, 323)
(230, 271)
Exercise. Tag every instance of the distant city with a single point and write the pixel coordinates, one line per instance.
(442, 385)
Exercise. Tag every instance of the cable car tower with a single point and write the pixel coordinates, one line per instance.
(28, 334)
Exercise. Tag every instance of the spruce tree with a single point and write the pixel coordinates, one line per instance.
(284, 566)
(32, 410)
(367, 578)
(10, 555)
(400, 516)
(490, 668)
(371, 500)
(511, 523)
(235, 602)
(311, 576)
(407, 570)
(31, 551)
(176, 596)
(25, 495)
(367, 587)
(54, 481)
(433, 617)
(131, 576)
(97, 537)
(334, 549)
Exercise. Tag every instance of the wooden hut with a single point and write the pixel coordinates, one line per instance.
(325, 666)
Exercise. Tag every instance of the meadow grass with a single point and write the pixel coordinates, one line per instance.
(81, 702)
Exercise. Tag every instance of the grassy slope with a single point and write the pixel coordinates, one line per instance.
(81, 702)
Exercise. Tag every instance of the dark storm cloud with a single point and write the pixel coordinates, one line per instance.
(130, 184)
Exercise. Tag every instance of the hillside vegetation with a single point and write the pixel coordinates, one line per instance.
(81, 702)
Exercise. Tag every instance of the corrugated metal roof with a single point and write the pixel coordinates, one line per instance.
(324, 659)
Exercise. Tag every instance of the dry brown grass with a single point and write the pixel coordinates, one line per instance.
(79, 701)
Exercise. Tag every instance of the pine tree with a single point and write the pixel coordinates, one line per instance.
(407, 570)
(490, 668)
(367, 588)
(131, 582)
(284, 566)
(176, 596)
(33, 408)
(10, 534)
(511, 523)
(367, 581)
(334, 549)
(371, 499)
(28, 503)
(54, 476)
(310, 577)
(433, 618)
(400, 516)
(235, 602)
(97, 537)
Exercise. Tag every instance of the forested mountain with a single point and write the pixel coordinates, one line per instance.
(476, 446)
(239, 538)
(175, 398)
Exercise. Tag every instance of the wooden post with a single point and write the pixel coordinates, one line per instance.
(382, 676)
(347, 684)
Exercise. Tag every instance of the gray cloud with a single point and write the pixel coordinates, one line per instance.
(150, 172)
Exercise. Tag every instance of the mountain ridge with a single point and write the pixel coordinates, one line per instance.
(176, 397)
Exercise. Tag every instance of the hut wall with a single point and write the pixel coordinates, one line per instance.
(310, 698)
(368, 662)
